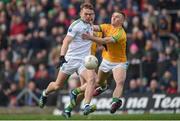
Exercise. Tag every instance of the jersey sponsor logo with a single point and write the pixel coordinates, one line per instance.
(70, 30)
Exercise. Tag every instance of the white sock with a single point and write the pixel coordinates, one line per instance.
(44, 93)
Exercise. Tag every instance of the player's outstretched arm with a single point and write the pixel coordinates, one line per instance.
(98, 39)
(96, 28)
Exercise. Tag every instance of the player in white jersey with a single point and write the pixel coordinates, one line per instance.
(73, 52)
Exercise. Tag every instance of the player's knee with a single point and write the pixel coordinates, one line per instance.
(120, 83)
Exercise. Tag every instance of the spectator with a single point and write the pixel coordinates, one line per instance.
(138, 37)
(33, 89)
(149, 67)
(134, 58)
(156, 43)
(154, 87)
(164, 26)
(17, 25)
(133, 88)
(19, 46)
(164, 81)
(3, 41)
(172, 89)
(162, 64)
(6, 72)
(3, 97)
(20, 77)
(173, 69)
(103, 17)
(13, 92)
(142, 85)
(42, 77)
(149, 50)
(177, 27)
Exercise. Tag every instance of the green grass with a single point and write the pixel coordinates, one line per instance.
(94, 117)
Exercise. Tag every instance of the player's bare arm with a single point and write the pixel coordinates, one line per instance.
(96, 28)
(65, 44)
(98, 40)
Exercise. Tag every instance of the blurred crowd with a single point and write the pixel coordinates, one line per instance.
(31, 34)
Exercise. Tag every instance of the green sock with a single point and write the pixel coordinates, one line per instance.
(76, 91)
(115, 99)
(69, 108)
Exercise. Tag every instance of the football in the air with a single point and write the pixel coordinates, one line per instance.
(91, 62)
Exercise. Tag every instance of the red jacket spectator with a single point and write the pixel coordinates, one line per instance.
(17, 26)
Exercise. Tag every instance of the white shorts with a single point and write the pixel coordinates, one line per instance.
(107, 66)
(73, 65)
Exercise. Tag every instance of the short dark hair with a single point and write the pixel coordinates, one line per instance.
(87, 6)
(122, 13)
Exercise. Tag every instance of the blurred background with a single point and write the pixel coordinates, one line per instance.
(31, 35)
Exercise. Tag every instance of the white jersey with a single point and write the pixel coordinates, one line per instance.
(79, 48)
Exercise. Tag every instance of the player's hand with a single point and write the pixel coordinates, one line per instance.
(61, 61)
(86, 36)
(105, 46)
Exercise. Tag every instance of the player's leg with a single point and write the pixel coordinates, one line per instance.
(70, 106)
(84, 77)
(90, 80)
(75, 92)
(119, 75)
(75, 98)
(53, 86)
(103, 74)
(101, 82)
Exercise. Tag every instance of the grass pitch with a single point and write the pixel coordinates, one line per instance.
(126, 117)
